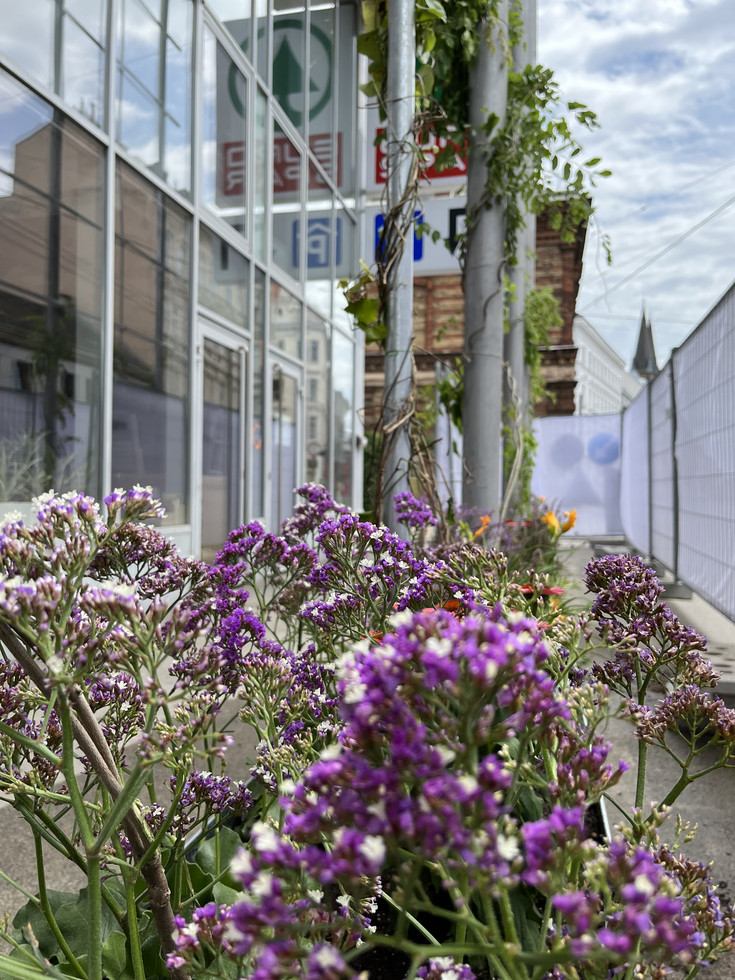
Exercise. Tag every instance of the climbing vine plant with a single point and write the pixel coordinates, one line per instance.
(535, 161)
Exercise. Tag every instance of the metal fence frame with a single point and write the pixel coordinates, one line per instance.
(678, 461)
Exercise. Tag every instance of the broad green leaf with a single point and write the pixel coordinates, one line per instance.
(431, 8)
(224, 895)
(114, 955)
(364, 310)
(229, 845)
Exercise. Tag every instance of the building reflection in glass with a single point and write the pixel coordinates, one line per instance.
(51, 180)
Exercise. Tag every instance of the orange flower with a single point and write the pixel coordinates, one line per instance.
(571, 520)
(484, 523)
(551, 521)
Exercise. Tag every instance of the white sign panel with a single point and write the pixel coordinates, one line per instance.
(445, 215)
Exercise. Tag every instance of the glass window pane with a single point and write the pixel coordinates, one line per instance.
(287, 246)
(91, 14)
(344, 404)
(50, 302)
(318, 394)
(82, 180)
(177, 141)
(151, 349)
(285, 436)
(289, 61)
(154, 87)
(285, 321)
(346, 95)
(235, 15)
(260, 181)
(224, 164)
(221, 463)
(260, 14)
(83, 66)
(223, 278)
(32, 50)
(257, 432)
(323, 244)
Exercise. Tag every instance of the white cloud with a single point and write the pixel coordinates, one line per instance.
(661, 83)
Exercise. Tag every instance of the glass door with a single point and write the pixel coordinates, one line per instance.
(223, 376)
(286, 441)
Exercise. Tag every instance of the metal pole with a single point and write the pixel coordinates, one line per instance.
(522, 275)
(484, 267)
(401, 160)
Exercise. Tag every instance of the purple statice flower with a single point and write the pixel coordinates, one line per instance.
(444, 968)
(217, 794)
(412, 512)
(401, 771)
(550, 843)
(652, 911)
(701, 712)
(582, 771)
(318, 504)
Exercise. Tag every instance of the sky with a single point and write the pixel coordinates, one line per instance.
(660, 74)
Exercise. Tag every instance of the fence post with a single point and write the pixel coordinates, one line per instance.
(649, 427)
(674, 471)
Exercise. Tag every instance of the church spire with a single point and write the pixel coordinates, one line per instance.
(644, 362)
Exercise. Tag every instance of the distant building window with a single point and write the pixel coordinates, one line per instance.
(314, 351)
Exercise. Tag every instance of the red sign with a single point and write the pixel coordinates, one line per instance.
(429, 150)
(287, 162)
(232, 169)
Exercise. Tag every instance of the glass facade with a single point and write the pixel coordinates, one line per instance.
(172, 228)
(51, 281)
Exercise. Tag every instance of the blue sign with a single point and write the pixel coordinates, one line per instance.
(604, 448)
(318, 242)
(418, 241)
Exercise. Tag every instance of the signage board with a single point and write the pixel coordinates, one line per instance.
(445, 215)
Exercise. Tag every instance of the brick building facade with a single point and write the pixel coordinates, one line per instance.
(438, 325)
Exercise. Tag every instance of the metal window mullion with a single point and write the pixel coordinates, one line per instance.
(108, 223)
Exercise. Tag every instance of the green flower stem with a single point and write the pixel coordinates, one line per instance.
(19, 971)
(48, 911)
(133, 932)
(412, 919)
(675, 792)
(42, 824)
(164, 828)
(28, 743)
(124, 802)
(87, 834)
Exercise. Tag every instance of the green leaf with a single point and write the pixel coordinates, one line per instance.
(114, 956)
(375, 333)
(365, 310)
(433, 9)
(229, 845)
(224, 895)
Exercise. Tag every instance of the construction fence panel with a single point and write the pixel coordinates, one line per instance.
(663, 533)
(705, 451)
(578, 468)
(634, 474)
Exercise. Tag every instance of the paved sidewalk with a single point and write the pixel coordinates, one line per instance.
(710, 803)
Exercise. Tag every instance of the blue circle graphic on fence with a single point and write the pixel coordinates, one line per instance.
(567, 451)
(604, 448)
